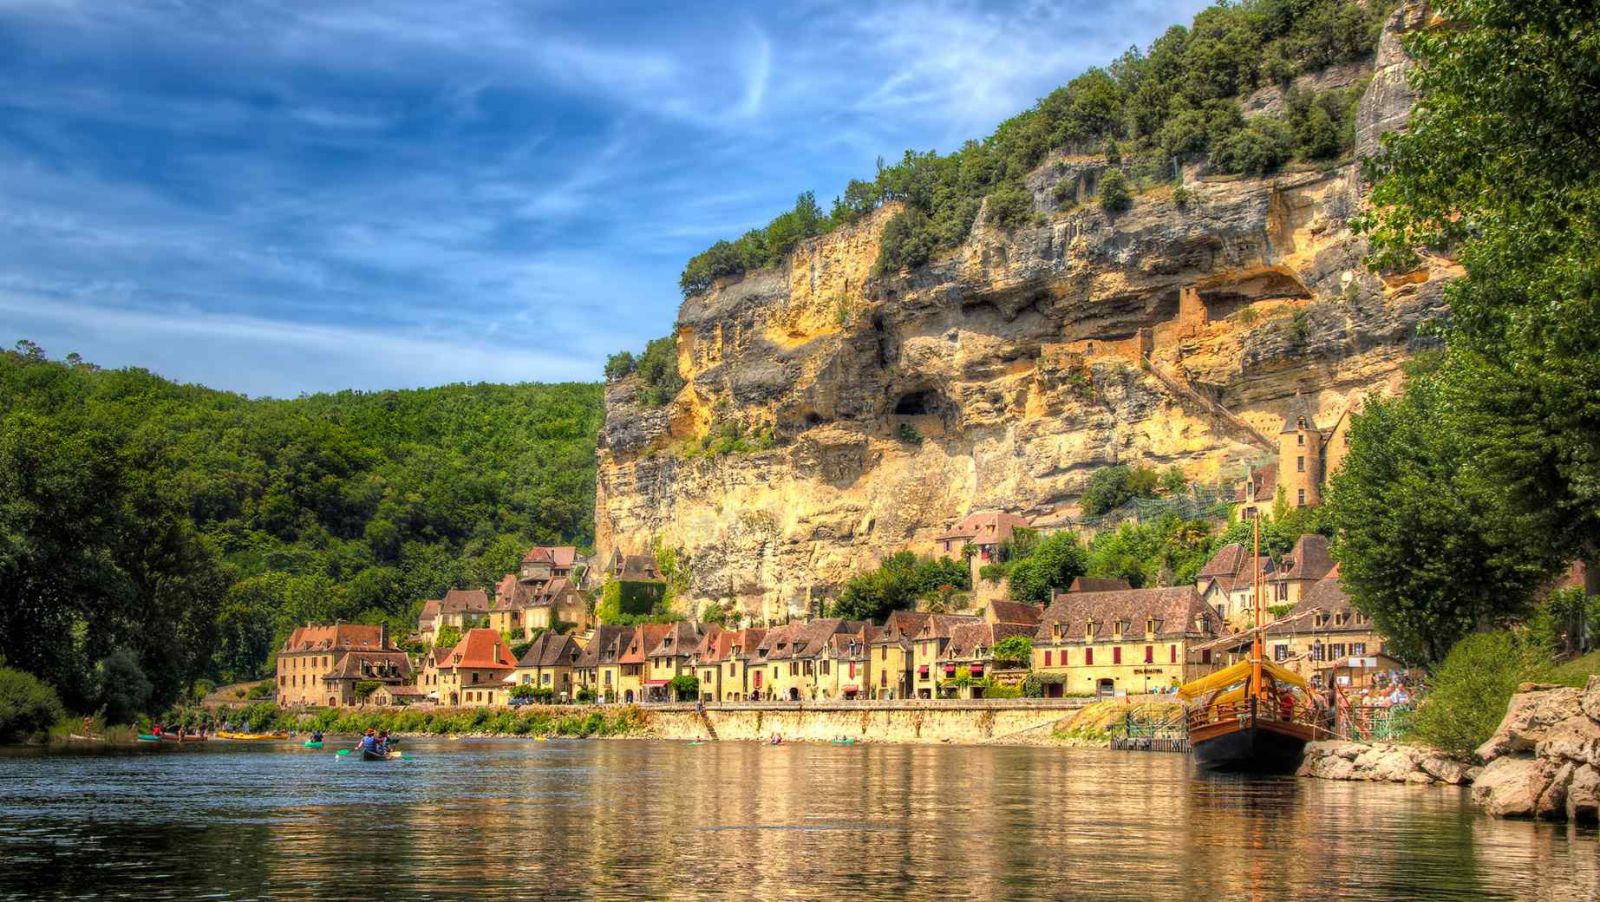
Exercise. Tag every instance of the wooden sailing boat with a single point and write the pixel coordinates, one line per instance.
(1253, 715)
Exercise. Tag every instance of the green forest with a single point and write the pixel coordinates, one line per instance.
(154, 534)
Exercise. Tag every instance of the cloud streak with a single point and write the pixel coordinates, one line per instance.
(512, 186)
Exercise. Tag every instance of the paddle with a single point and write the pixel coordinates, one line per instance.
(342, 753)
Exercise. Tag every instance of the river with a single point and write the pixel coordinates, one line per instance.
(656, 819)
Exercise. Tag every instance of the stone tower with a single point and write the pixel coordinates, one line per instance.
(1300, 456)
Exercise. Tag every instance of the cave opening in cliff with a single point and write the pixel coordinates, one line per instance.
(920, 403)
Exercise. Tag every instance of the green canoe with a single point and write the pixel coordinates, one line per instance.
(313, 744)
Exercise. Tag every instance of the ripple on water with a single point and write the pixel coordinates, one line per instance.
(631, 819)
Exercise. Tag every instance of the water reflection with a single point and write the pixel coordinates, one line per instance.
(652, 819)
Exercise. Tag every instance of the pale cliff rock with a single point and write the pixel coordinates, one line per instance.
(1166, 335)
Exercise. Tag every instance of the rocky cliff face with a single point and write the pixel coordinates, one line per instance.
(1171, 334)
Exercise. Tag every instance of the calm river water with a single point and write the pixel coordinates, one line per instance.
(645, 819)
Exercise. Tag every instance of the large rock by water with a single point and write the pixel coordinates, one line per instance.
(1544, 760)
(1382, 762)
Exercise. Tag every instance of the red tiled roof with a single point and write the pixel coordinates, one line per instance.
(645, 638)
(1175, 611)
(1020, 612)
(985, 528)
(339, 636)
(1097, 584)
(430, 611)
(481, 649)
(465, 601)
(558, 556)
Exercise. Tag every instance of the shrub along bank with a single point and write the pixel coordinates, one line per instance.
(559, 720)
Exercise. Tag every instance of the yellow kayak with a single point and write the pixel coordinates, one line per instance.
(253, 737)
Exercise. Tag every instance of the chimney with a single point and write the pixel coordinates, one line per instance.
(383, 635)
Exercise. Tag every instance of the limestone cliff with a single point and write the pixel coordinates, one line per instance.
(1173, 333)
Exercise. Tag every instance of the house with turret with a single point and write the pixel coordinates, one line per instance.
(1307, 457)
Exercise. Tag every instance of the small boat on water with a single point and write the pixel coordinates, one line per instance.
(186, 737)
(76, 737)
(313, 743)
(253, 737)
(1252, 716)
(149, 737)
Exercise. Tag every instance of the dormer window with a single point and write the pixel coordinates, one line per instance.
(1055, 631)
(1150, 626)
(1088, 631)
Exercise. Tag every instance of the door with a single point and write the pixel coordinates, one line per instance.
(1106, 688)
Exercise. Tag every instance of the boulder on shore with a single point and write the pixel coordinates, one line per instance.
(1544, 760)
(1382, 762)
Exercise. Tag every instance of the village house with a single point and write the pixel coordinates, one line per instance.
(473, 674)
(844, 664)
(313, 655)
(985, 532)
(1305, 566)
(891, 654)
(358, 673)
(463, 609)
(1124, 642)
(1324, 636)
(1225, 583)
(927, 648)
(967, 659)
(1307, 456)
(428, 622)
(598, 666)
(789, 659)
(632, 664)
(428, 674)
(543, 594)
(672, 657)
(548, 664)
(395, 696)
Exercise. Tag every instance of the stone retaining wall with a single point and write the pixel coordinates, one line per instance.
(821, 723)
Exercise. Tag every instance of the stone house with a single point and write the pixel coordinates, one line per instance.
(463, 609)
(428, 675)
(1304, 567)
(1324, 636)
(397, 696)
(473, 673)
(549, 664)
(428, 622)
(1125, 642)
(598, 666)
(985, 532)
(1307, 456)
(523, 606)
(968, 657)
(632, 664)
(891, 651)
(722, 662)
(927, 650)
(1225, 583)
(844, 664)
(343, 684)
(312, 653)
(790, 659)
(673, 657)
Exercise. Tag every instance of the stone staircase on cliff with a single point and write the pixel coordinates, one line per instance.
(1232, 421)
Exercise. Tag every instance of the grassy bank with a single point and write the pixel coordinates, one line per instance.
(1099, 723)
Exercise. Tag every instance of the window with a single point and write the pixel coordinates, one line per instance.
(1047, 659)
(1317, 652)
(1300, 438)
(1149, 654)
(474, 676)
(1205, 656)
(852, 670)
(1116, 654)
(1300, 497)
(1088, 657)
(1300, 464)
(1150, 626)
(1280, 652)
(1172, 654)
(1336, 651)
(1358, 649)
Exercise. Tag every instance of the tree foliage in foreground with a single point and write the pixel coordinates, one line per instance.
(1423, 549)
(1500, 165)
(194, 527)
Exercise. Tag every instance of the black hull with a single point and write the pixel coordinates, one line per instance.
(1251, 750)
(373, 756)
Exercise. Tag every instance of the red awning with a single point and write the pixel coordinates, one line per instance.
(923, 670)
(656, 682)
(977, 669)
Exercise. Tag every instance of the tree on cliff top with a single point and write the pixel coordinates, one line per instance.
(898, 584)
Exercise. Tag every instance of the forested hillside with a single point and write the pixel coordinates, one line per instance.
(194, 527)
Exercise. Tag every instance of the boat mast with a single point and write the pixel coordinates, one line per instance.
(1256, 645)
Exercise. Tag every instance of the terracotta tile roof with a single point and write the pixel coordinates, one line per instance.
(1175, 611)
(503, 591)
(902, 625)
(561, 557)
(430, 612)
(1264, 479)
(1097, 584)
(745, 643)
(1308, 560)
(371, 665)
(645, 637)
(680, 641)
(985, 528)
(1328, 598)
(635, 567)
(802, 640)
(967, 639)
(337, 637)
(1226, 562)
(939, 626)
(481, 649)
(465, 601)
(605, 646)
(1015, 612)
(551, 650)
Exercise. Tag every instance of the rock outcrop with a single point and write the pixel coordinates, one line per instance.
(1544, 760)
(1004, 373)
(1383, 763)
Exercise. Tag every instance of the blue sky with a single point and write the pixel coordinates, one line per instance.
(285, 197)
